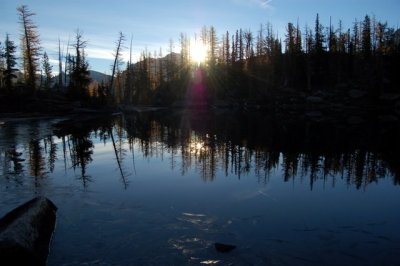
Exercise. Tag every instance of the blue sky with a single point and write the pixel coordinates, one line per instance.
(152, 23)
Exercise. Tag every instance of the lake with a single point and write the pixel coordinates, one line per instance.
(160, 188)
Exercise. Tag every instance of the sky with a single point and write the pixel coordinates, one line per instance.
(153, 23)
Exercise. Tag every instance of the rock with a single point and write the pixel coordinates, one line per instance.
(224, 248)
(26, 231)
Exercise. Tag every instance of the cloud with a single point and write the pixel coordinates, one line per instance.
(265, 4)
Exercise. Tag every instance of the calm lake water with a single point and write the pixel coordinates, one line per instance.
(160, 188)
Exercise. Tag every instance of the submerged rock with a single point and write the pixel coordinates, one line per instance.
(26, 231)
(224, 248)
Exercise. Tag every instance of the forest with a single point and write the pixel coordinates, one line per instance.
(330, 67)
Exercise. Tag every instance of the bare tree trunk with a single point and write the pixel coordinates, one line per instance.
(116, 61)
(60, 81)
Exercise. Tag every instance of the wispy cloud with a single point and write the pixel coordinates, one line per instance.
(265, 4)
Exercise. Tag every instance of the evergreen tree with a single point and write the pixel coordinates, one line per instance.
(241, 46)
(171, 66)
(332, 40)
(2, 66)
(356, 37)
(237, 46)
(47, 69)
(212, 46)
(233, 53)
(298, 43)
(290, 39)
(227, 48)
(259, 41)
(10, 63)
(319, 36)
(60, 80)
(343, 39)
(366, 37)
(31, 46)
(248, 37)
(380, 36)
(79, 76)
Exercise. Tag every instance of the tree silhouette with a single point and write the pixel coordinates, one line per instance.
(117, 62)
(79, 72)
(10, 63)
(47, 69)
(31, 46)
(366, 37)
(60, 69)
(2, 66)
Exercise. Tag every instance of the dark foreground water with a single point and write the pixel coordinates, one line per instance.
(161, 188)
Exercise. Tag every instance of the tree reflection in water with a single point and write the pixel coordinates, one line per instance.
(210, 142)
(244, 144)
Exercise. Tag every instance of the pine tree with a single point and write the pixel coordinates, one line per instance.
(2, 66)
(332, 39)
(47, 69)
(212, 46)
(248, 37)
(290, 39)
(241, 46)
(356, 37)
(237, 46)
(342, 42)
(260, 40)
(298, 43)
(31, 46)
(227, 49)
(60, 79)
(319, 36)
(366, 37)
(79, 76)
(233, 53)
(10, 63)
(380, 36)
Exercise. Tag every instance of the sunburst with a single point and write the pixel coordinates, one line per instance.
(198, 52)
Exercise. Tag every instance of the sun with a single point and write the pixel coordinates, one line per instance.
(198, 52)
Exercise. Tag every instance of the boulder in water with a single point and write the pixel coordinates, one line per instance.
(26, 231)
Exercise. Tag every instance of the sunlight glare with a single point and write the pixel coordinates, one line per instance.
(198, 52)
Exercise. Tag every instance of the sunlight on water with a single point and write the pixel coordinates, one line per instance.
(145, 190)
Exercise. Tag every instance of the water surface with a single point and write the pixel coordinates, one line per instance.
(160, 188)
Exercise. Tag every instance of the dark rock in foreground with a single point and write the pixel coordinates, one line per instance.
(26, 231)
(224, 248)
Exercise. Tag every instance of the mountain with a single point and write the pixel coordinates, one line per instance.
(94, 75)
(98, 76)
(154, 63)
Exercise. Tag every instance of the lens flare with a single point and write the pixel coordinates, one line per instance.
(198, 52)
